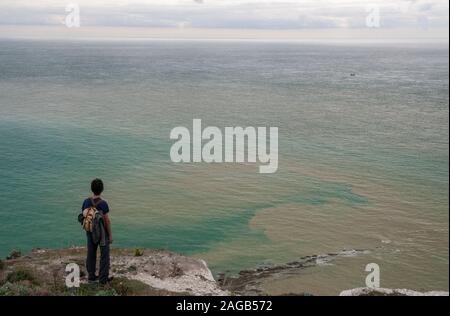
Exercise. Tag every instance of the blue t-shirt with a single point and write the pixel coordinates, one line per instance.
(101, 206)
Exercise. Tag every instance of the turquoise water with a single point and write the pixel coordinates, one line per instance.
(363, 160)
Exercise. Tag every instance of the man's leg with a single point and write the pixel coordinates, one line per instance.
(91, 259)
(104, 263)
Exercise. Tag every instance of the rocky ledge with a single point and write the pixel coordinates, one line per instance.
(135, 272)
(152, 272)
(366, 291)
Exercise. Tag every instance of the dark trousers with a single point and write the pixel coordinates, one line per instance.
(91, 260)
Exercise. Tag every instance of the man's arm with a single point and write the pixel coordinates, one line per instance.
(108, 227)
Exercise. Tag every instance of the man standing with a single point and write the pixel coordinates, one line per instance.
(91, 260)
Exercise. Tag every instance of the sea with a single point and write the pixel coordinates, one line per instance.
(363, 171)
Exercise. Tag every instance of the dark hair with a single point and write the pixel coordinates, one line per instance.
(97, 186)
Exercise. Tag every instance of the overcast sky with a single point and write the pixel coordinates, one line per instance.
(409, 15)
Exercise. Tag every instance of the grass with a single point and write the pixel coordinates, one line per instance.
(21, 274)
(15, 289)
(23, 281)
(91, 290)
(117, 287)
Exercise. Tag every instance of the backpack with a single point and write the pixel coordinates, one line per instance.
(92, 221)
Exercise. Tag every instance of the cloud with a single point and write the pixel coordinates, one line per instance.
(242, 14)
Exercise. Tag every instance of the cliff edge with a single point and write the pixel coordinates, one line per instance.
(135, 272)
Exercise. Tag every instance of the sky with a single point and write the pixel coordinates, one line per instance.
(222, 18)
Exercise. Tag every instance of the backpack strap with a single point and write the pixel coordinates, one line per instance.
(94, 204)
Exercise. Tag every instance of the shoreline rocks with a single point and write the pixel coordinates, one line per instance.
(366, 291)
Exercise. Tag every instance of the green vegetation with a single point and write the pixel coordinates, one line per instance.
(12, 289)
(20, 281)
(138, 252)
(23, 281)
(94, 289)
(117, 287)
(22, 274)
(126, 287)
